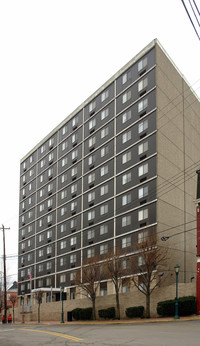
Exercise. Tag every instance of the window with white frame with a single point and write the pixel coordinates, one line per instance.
(73, 188)
(125, 286)
(63, 211)
(29, 257)
(126, 76)
(40, 222)
(62, 261)
(41, 178)
(63, 227)
(126, 116)
(91, 196)
(143, 169)
(91, 215)
(50, 172)
(64, 145)
(40, 283)
(91, 178)
(126, 137)
(142, 147)
(73, 223)
(92, 123)
(73, 241)
(49, 218)
(49, 234)
(73, 258)
(104, 209)
(142, 214)
(104, 151)
(74, 154)
(126, 96)
(142, 84)
(63, 178)
(74, 121)
(30, 200)
(64, 130)
(30, 228)
(104, 189)
(51, 157)
(92, 106)
(42, 149)
(126, 157)
(142, 236)
(104, 113)
(41, 237)
(104, 132)
(72, 276)
(104, 95)
(41, 252)
(103, 249)
(30, 187)
(50, 203)
(62, 278)
(23, 246)
(126, 199)
(49, 249)
(103, 289)
(92, 141)
(91, 160)
(41, 207)
(30, 214)
(142, 126)
(104, 170)
(51, 141)
(64, 161)
(90, 253)
(103, 229)
(74, 138)
(73, 205)
(142, 105)
(31, 172)
(142, 191)
(74, 171)
(90, 234)
(42, 163)
(22, 273)
(142, 64)
(40, 268)
(50, 187)
(48, 281)
(126, 242)
(23, 219)
(126, 220)
(63, 194)
(126, 178)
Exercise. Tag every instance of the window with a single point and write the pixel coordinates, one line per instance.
(73, 205)
(31, 159)
(90, 252)
(126, 96)
(104, 209)
(126, 178)
(91, 215)
(103, 288)
(74, 171)
(104, 95)
(40, 283)
(74, 121)
(126, 137)
(142, 214)
(142, 191)
(73, 258)
(42, 149)
(29, 200)
(62, 278)
(126, 116)
(63, 178)
(64, 161)
(48, 283)
(72, 276)
(72, 292)
(49, 203)
(50, 172)
(40, 222)
(103, 229)
(142, 148)
(41, 237)
(104, 113)
(63, 227)
(22, 273)
(49, 234)
(104, 151)
(63, 194)
(126, 76)
(63, 211)
(50, 187)
(142, 64)
(50, 157)
(92, 106)
(74, 138)
(92, 141)
(143, 126)
(49, 250)
(73, 223)
(104, 132)
(29, 257)
(64, 145)
(142, 105)
(126, 157)
(142, 236)
(143, 169)
(104, 189)
(142, 84)
(41, 208)
(92, 123)
(30, 228)
(90, 234)
(103, 249)
(91, 160)
(126, 220)
(42, 163)
(126, 199)
(62, 261)
(31, 173)
(74, 154)
(30, 187)
(125, 286)
(91, 178)
(64, 130)
(30, 214)
(104, 170)
(49, 218)
(141, 260)
(73, 241)
(126, 242)
(73, 188)
(91, 196)
(41, 252)
(40, 268)
(29, 243)
(51, 142)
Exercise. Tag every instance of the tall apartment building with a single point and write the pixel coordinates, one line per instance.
(121, 166)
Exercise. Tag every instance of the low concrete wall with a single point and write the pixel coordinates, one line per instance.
(52, 311)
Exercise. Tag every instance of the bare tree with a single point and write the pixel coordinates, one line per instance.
(148, 264)
(13, 299)
(88, 280)
(38, 297)
(115, 268)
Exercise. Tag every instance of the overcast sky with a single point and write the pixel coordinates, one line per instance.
(54, 54)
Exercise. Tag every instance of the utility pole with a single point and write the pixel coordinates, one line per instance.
(198, 243)
(4, 264)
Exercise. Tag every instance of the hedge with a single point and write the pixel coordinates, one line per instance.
(82, 314)
(107, 313)
(186, 306)
(135, 311)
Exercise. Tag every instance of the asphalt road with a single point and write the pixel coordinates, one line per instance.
(185, 333)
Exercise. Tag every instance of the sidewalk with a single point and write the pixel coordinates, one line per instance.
(136, 320)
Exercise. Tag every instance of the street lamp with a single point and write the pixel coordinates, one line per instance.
(62, 314)
(176, 316)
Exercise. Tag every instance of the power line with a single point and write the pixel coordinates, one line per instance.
(190, 19)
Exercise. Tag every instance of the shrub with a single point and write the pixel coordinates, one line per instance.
(107, 313)
(82, 314)
(186, 306)
(135, 311)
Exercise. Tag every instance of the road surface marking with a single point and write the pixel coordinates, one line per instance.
(65, 336)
